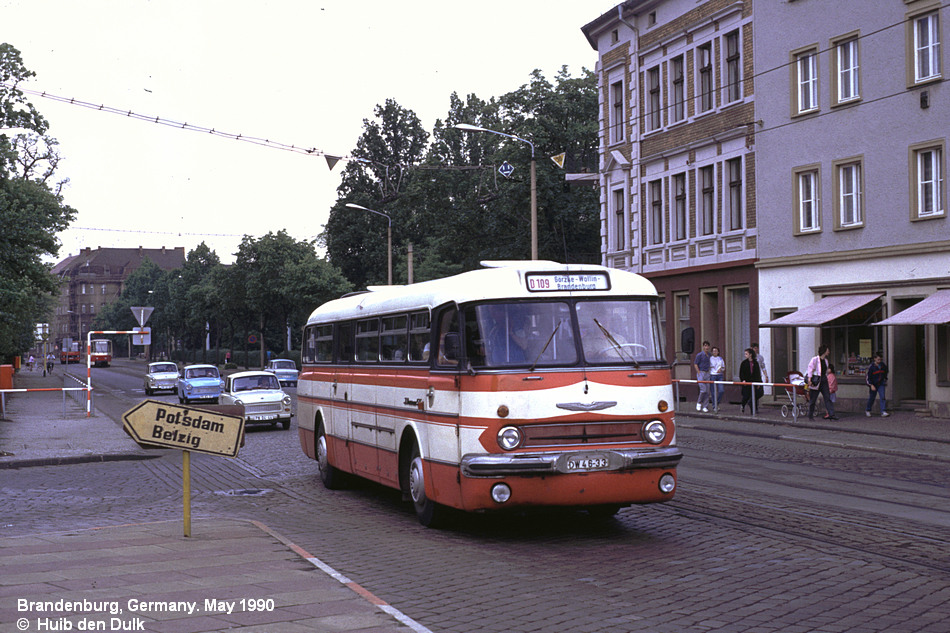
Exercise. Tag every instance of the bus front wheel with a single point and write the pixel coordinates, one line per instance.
(429, 513)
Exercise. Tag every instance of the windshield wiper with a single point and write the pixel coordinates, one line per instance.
(617, 346)
(544, 349)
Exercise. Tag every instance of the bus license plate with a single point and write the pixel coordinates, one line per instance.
(586, 463)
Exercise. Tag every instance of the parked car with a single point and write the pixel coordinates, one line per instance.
(260, 393)
(161, 376)
(199, 382)
(285, 370)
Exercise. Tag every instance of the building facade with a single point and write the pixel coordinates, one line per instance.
(677, 145)
(778, 170)
(851, 182)
(94, 278)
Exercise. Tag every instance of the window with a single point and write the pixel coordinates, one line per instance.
(679, 93)
(849, 198)
(616, 112)
(705, 71)
(926, 47)
(928, 186)
(733, 67)
(367, 341)
(656, 211)
(806, 69)
(679, 200)
(419, 336)
(620, 235)
(653, 79)
(734, 172)
(846, 62)
(393, 339)
(707, 200)
(807, 206)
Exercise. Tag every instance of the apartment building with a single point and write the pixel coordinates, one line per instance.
(854, 240)
(677, 163)
(94, 278)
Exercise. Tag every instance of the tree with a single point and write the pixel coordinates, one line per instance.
(31, 214)
(451, 204)
(285, 281)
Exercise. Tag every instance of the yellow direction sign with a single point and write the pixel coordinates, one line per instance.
(156, 423)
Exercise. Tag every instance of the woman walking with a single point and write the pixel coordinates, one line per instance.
(816, 377)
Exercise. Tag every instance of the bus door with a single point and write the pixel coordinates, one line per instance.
(362, 405)
(442, 402)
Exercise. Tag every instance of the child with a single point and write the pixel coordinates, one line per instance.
(832, 383)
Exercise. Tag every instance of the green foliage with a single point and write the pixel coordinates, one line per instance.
(31, 214)
(447, 198)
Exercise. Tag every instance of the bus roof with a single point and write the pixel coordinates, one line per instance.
(497, 280)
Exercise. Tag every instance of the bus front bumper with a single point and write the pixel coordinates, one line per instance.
(569, 462)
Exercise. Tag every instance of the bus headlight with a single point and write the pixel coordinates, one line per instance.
(654, 431)
(667, 483)
(509, 438)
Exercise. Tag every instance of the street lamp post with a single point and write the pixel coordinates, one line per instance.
(389, 237)
(534, 182)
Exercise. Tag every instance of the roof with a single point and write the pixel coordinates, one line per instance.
(497, 280)
(116, 259)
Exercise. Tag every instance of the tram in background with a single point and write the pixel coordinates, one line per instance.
(100, 352)
(546, 386)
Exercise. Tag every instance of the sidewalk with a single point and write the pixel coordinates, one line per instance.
(148, 577)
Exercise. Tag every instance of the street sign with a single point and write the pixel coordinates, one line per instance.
(506, 169)
(154, 423)
(143, 336)
(141, 314)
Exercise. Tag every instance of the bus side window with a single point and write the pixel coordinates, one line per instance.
(419, 337)
(448, 322)
(345, 348)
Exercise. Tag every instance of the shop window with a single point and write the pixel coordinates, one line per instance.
(853, 341)
(943, 355)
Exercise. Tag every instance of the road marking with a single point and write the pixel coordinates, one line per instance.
(361, 591)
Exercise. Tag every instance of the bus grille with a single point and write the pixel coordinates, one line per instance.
(583, 433)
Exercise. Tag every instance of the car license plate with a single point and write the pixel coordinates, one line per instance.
(586, 463)
(264, 416)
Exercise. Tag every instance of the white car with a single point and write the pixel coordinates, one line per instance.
(161, 376)
(260, 393)
(285, 370)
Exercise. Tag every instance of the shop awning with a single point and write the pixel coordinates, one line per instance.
(823, 311)
(934, 310)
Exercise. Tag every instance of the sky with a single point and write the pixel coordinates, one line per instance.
(297, 72)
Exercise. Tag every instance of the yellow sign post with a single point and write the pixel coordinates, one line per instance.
(156, 424)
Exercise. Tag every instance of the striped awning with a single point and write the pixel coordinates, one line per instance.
(934, 310)
(824, 310)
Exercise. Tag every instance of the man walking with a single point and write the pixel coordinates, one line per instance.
(702, 366)
(877, 381)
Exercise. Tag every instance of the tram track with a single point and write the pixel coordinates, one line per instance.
(908, 543)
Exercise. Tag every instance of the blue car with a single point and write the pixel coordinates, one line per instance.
(200, 382)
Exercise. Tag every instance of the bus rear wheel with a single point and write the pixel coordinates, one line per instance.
(429, 513)
(331, 476)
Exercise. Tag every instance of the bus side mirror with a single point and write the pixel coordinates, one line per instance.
(688, 340)
(452, 346)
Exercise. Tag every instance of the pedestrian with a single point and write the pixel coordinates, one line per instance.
(31, 362)
(749, 372)
(763, 364)
(701, 365)
(717, 372)
(816, 377)
(832, 383)
(877, 382)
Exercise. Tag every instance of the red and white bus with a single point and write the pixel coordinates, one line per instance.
(100, 352)
(547, 387)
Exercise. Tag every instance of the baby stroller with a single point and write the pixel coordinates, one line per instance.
(797, 395)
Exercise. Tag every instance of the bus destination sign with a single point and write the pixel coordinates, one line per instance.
(565, 282)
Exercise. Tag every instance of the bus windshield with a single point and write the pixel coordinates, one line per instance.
(538, 334)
